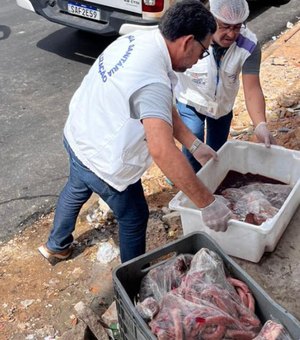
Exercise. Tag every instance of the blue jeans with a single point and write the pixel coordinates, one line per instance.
(129, 207)
(217, 130)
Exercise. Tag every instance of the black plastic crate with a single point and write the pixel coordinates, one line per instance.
(127, 278)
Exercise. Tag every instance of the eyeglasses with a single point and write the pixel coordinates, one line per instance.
(205, 52)
(234, 28)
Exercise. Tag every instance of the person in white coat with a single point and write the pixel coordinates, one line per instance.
(122, 117)
(207, 91)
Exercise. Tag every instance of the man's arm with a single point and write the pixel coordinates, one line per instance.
(159, 128)
(202, 152)
(180, 131)
(173, 163)
(255, 103)
(254, 98)
(159, 134)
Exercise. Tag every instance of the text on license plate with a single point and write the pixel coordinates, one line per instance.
(85, 11)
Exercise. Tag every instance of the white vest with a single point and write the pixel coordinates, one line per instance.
(99, 128)
(210, 90)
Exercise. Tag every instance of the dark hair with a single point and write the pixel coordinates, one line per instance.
(187, 17)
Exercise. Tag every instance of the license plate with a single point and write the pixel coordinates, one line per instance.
(82, 10)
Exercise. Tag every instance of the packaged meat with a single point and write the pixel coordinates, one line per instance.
(165, 277)
(148, 308)
(194, 297)
(273, 331)
(207, 281)
(256, 202)
(180, 319)
(128, 276)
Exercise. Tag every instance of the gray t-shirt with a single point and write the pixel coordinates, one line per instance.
(252, 63)
(152, 101)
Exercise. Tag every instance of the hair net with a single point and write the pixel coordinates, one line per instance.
(230, 11)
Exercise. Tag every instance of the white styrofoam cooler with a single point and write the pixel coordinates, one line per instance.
(245, 240)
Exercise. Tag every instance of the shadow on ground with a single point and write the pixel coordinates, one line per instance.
(76, 45)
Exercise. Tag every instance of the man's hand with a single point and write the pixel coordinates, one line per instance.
(216, 215)
(264, 135)
(204, 153)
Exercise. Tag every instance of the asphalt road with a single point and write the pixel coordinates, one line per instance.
(41, 65)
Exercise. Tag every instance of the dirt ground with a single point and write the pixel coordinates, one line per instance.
(37, 298)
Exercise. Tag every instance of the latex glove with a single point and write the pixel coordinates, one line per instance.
(204, 153)
(263, 134)
(216, 215)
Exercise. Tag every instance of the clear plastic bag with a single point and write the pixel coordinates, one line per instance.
(254, 208)
(208, 281)
(276, 194)
(162, 279)
(273, 331)
(148, 308)
(180, 319)
(193, 297)
(256, 202)
(206, 305)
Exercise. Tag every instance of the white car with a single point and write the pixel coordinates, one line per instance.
(105, 17)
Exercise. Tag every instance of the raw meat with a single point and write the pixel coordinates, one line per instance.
(273, 331)
(184, 320)
(148, 308)
(164, 278)
(194, 298)
(206, 305)
(256, 202)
